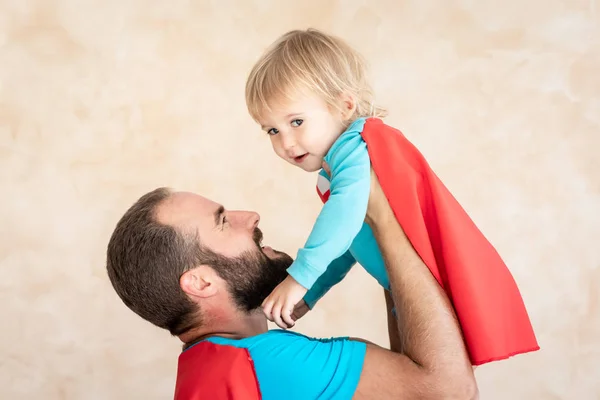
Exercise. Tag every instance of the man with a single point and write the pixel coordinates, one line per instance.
(188, 265)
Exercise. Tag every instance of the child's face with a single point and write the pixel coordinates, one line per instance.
(303, 129)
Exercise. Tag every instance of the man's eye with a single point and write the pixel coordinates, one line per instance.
(272, 131)
(297, 122)
(223, 221)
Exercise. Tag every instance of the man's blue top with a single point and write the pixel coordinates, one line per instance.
(292, 366)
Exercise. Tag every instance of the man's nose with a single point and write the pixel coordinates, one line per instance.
(249, 219)
(254, 219)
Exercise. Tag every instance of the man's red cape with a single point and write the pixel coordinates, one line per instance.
(209, 371)
(485, 297)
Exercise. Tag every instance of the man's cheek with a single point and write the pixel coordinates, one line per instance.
(233, 248)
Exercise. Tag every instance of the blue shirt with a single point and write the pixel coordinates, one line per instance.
(365, 251)
(292, 366)
(340, 237)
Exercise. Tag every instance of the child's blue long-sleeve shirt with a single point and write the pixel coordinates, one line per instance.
(340, 221)
(365, 251)
(342, 216)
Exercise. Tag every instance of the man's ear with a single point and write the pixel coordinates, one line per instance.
(200, 281)
(347, 106)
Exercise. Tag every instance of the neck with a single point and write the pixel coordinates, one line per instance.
(237, 326)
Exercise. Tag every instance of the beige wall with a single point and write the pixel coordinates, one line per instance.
(101, 101)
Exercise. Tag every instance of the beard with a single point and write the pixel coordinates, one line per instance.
(252, 276)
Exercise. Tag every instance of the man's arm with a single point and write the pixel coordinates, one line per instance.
(393, 332)
(434, 363)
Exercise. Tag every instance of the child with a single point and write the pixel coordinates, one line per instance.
(310, 94)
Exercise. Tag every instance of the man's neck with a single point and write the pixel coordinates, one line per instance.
(238, 327)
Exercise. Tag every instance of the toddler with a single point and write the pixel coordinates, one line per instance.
(309, 92)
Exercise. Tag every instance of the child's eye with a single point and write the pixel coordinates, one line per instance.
(297, 122)
(272, 131)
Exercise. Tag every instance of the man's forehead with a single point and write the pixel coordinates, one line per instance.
(185, 208)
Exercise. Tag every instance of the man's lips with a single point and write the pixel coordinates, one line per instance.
(258, 238)
(268, 251)
(300, 158)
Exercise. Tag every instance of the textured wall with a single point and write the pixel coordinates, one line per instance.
(103, 100)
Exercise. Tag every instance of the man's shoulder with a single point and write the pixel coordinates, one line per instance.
(211, 369)
(210, 356)
(276, 357)
(218, 346)
(273, 339)
(278, 348)
(290, 352)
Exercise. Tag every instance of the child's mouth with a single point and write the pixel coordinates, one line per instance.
(301, 158)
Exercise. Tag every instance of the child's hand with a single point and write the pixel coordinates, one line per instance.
(279, 305)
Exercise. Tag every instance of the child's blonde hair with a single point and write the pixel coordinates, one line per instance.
(310, 60)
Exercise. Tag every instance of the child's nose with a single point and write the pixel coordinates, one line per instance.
(287, 141)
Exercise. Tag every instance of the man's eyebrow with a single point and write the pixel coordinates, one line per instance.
(218, 214)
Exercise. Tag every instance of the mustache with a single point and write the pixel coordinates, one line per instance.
(257, 237)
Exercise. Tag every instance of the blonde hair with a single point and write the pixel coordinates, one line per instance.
(310, 60)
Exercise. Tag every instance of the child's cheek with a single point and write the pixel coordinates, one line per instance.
(278, 150)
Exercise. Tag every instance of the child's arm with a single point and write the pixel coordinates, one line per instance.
(342, 216)
(336, 227)
(335, 272)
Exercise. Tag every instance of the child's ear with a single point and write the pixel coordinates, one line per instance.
(347, 106)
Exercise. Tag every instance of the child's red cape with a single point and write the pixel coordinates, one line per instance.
(482, 290)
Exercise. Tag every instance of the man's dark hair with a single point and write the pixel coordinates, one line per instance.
(145, 260)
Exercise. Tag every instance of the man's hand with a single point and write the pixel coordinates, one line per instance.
(326, 168)
(379, 206)
(279, 305)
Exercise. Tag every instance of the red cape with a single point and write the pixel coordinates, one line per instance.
(216, 372)
(482, 290)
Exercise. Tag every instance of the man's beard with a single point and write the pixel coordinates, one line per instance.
(252, 276)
